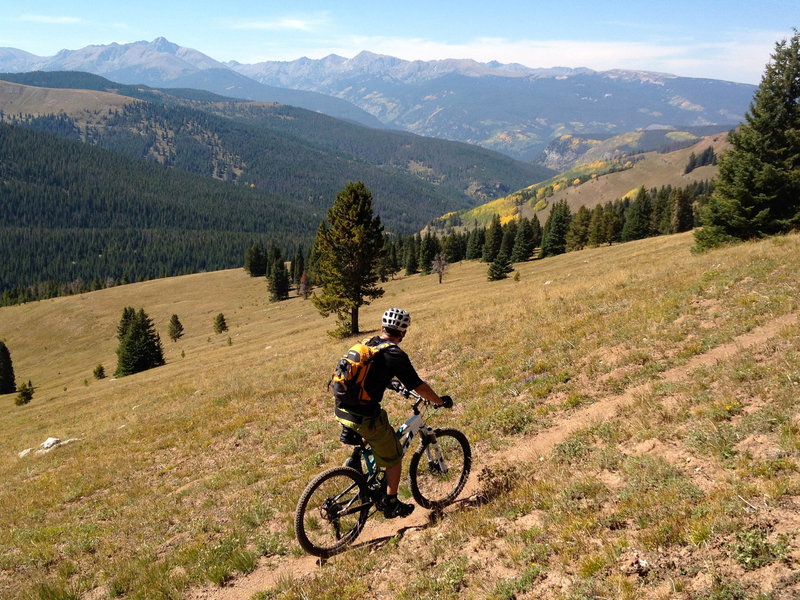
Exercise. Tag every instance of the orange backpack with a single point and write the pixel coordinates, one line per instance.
(351, 372)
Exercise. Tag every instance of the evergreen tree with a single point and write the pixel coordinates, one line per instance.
(428, 249)
(493, 240)
(596, 233)
(220, 324)
(298, 265)
(554, 237)
(758, 186)
(578, 232)
(279, 283)
(25, 394)
(500, 267)
(509, 235)
(7, 383)
(537, 232)
(128, 317)
(524, 243)
(350, 250)
(411, 258)
(255, 261)
(175, 328)
(682, 213)
(475, 244)
(637, 217)
(140, 346)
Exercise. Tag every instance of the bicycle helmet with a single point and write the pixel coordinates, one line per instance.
(396, 318)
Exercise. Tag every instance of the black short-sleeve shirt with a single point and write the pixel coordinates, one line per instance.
(390, 362)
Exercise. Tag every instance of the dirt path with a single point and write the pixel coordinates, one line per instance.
(267, 574)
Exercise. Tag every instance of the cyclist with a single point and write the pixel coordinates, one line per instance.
(371, 422)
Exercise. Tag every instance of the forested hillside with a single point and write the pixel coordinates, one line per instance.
(305, 155)
(77, 214)
(217, 177)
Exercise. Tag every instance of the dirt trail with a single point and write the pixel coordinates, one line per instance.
(267, 574)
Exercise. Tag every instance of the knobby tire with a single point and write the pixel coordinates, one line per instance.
(318, 525)
(431, 488)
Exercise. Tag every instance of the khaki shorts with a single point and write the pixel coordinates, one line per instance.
(380, 435)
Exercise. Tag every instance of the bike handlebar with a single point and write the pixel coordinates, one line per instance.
(398, 387)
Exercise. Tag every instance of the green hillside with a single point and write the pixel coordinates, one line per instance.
(302, 155)
(75, 212)
(632, 411)
(597, 182)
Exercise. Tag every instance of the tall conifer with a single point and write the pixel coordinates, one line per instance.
(350, 250)
(7, 382)
(758, 187)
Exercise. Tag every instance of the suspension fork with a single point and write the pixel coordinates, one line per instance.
(432, 451)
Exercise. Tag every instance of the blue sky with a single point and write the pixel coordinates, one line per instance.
(719, 39)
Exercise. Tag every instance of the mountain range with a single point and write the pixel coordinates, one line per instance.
(505, 107)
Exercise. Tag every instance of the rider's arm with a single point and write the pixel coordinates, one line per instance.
(427, 392)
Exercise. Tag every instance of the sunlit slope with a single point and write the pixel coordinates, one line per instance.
(599, 181)
(184, 471)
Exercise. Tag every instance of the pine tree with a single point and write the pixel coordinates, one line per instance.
(682, 213)
(578, 232)
(493, 240)
(298, 265)
(140, 345)
(524, 243)
(596, 234)
(554, 237)
(637, 217)
(220, 324)
(428, 249)
(758, 186)
(25, 394)
(537, 232)
(7, 382)
(500, 267)
(175, 328)
(279, 283)
(255, 261)
(475, 243)
(411, 262)
(350, 250)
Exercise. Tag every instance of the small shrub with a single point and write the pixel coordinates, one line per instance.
(497, 481)
(25, 394)
(220, 324)
(752, 550)
(99, 372)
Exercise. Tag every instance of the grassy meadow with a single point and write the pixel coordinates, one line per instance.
(185, 477)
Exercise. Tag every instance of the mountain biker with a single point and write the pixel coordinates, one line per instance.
(371, 422)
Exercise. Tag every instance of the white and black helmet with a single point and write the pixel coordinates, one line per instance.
(396, 318)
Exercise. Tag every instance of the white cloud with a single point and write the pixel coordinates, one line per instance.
(50, 20)
(307, 24)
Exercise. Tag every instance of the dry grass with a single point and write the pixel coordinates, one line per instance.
(188, 473)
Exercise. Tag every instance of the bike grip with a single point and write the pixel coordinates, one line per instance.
(447, 401)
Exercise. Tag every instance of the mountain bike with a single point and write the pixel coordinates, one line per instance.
(334, 507)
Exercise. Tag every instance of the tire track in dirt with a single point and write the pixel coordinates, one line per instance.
(267, 573)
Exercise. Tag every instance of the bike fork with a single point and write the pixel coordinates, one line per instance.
(434, 453)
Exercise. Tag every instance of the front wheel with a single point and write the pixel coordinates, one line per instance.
(331, 511)
(438, 470)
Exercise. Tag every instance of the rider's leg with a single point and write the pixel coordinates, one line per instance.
(393, 475)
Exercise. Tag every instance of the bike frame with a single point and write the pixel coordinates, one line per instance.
(407, 432)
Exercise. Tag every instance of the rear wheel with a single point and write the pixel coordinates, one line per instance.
(331, 511)
(438, 472)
